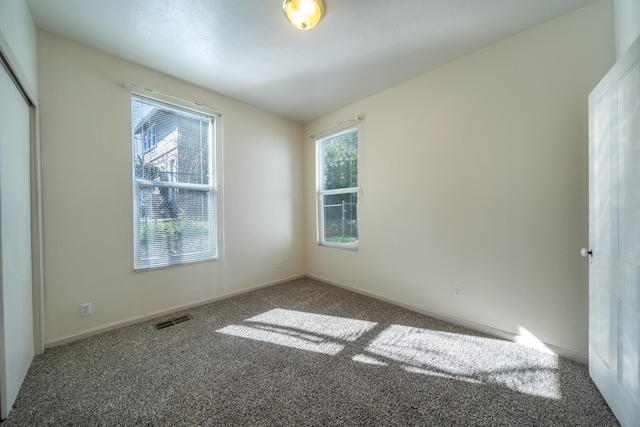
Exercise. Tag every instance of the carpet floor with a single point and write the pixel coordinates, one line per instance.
(304, 353)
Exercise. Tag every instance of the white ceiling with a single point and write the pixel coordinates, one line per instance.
(247, 50)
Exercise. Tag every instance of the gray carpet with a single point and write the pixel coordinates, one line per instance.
(304, 353)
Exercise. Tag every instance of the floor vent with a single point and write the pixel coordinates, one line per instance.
(171, 322)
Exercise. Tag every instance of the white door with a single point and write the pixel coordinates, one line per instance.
(614, 237)
(16, 302)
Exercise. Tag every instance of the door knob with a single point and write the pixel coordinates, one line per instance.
(585, 252)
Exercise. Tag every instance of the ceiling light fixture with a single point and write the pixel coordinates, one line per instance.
(303, 14)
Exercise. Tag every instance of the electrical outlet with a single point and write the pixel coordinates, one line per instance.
(457, 291)
(279, 263)
(85, 309)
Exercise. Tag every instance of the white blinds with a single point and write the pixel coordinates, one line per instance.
(174, 213)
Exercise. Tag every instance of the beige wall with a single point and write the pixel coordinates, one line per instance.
(87, 195)
(475, 175)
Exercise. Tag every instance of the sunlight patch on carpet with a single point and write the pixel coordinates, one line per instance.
(469, 358)
(460, 357)
(285, 338)
(335, 327)
(526, 338)
(318, 333)
(368, 360)
(434, 373)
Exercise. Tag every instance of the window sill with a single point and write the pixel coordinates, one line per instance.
(352, 248)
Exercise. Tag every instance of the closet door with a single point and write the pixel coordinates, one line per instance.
(16, 301)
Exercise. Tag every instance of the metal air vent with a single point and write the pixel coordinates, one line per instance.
(171, 322)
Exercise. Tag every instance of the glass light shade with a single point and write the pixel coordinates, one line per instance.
(303, 14)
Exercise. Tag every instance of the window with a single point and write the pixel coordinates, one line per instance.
(337, 186)
(148, 136)
(174, 205)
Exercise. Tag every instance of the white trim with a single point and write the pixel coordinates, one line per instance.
(37, 240)
(498, 333)
(338, 191)
(134, 320)
(353, 247)
(218, 160)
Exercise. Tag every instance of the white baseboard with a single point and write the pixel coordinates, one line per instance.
(569, 354)
(160, 313)
(498, 333)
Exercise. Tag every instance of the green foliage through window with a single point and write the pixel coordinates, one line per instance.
(340, 156)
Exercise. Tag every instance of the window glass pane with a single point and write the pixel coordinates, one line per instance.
(341, 218)
(340, 161)
(169, 145)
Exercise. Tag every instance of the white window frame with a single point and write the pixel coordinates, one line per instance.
(212, 187)
(347, 127)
